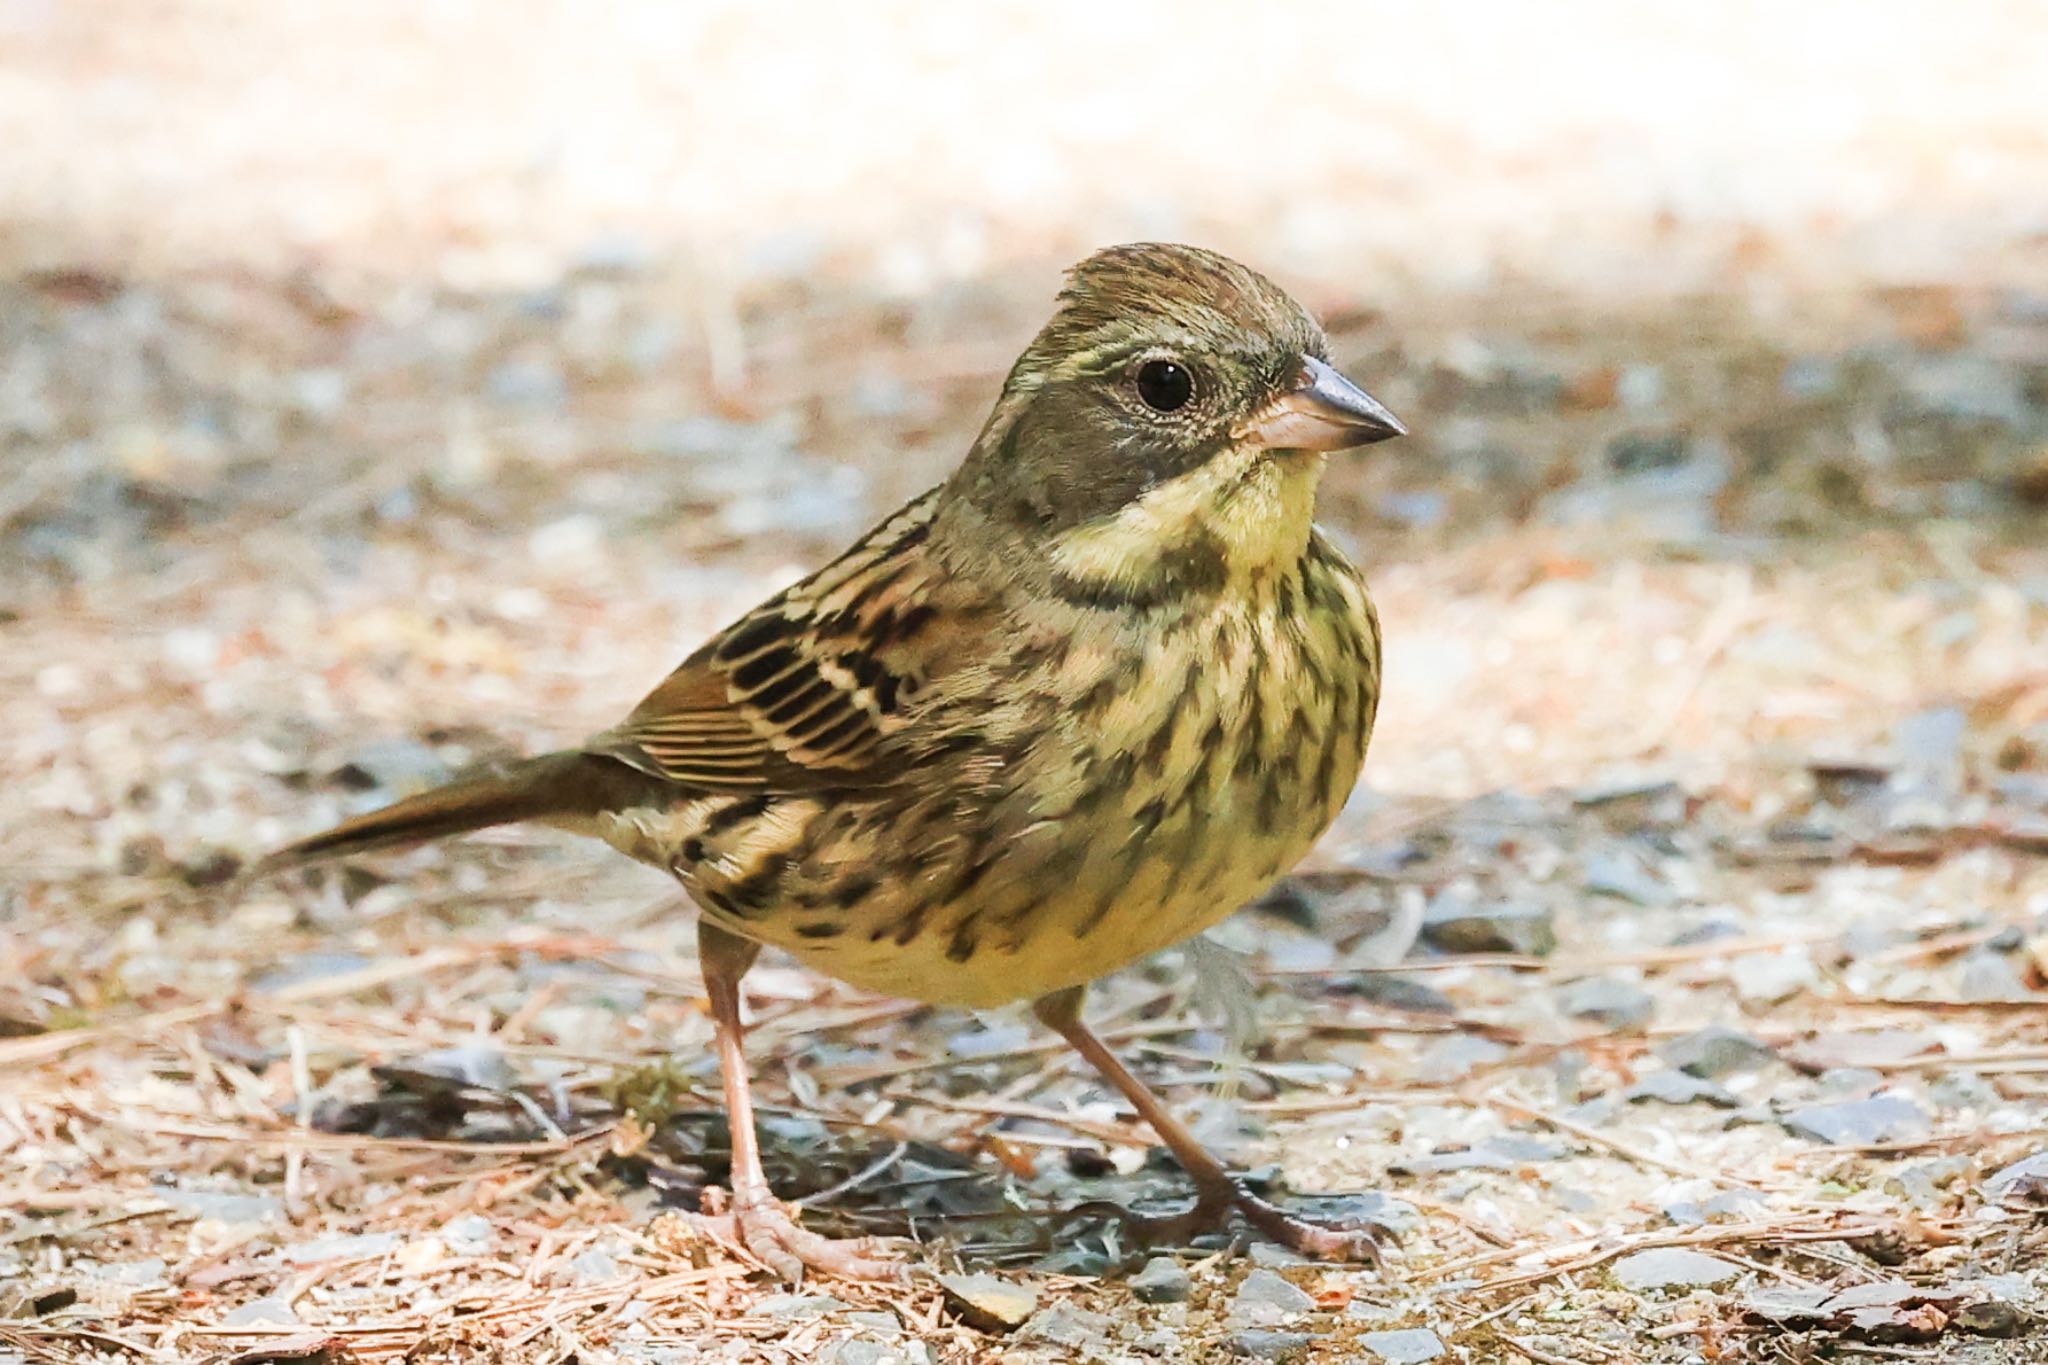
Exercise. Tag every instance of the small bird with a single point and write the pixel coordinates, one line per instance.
(1078, 703)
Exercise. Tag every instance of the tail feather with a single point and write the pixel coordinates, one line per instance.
(552, 786)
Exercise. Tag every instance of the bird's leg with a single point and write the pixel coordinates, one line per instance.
(757, 1220)
(1217, 1192)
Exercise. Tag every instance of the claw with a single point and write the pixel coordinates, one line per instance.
(1361, 1245)
(765, 1229)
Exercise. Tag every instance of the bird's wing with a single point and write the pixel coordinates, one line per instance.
(809, 689)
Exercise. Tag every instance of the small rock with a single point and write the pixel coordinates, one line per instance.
(1455, 925)
(227, 1208)
(1409, 1346)
(1623, 877)
(1991, 1318)
(1266, 1300)
(1881, 1118)
(1261, 1344)
(1456, 1057)
(1401, 992)
(2023, 1182)
(469, 1235)
(989, 1302)
(144, 1274)
(1963, 1089)
(798, 1306)
(1672, 1268)
(1858, 1048)
(1716, 1051)
(1607, 1000)
(1680, 1087)
(1848, 1083)
(360, 1248)
(1163, 1280)
(595, 1266)
(1771, 978)
(263, 1312)
(1076, 1329)
(1991, 976)
(865, 1351)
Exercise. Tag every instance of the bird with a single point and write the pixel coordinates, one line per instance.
(1095, 691)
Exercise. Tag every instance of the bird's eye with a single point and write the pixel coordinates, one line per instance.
(1164, 385)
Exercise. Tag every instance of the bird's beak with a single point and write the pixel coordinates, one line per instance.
(1325, 411)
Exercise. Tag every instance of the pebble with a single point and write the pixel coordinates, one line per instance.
(989, 1302)
(1680, 1087)
(1716, 1051)
(360, 1248)
(1621, 876)
(1265, 1300)
(1880, 1118)
(1672, 1268)
(1163, 1280)
(1771, 978)
(226, 1208)
(798, 1306)
(263, 1312)
(1991, 976)
(1456, 1057)
(1062, 1324)
(1456, 925)
(469, 1235)
(1607, 1000)
(1264, 1344)
(2025, 1180)
(1408, 1346)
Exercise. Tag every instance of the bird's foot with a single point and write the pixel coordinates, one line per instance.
(1358, 1244)
(764, 1227)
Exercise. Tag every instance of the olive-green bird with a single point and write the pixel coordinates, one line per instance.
(1079, 702)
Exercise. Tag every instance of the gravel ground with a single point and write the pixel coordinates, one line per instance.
(381, 393)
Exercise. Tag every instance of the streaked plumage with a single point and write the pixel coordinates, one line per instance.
(1074, 705)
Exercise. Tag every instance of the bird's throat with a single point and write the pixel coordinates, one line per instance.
(1220, 528)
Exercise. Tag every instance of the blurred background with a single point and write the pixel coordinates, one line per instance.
(386, 386)
(375, 363)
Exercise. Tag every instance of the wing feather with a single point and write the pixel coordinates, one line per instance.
(809, 689)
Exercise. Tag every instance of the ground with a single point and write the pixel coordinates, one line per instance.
(1675, 987)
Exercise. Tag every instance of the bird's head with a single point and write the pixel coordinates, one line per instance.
(1175, 399)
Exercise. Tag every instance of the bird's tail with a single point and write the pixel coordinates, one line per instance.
(554, 786)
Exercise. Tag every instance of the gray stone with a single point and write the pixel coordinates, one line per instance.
(1881, 1118)
(1163, 1280)
(1604, 999)
(469, 1235)
(1672, 1268)
(1062, 1324)
(989, 1302)
(1771, 978)
(1991, 976)
(1623, 877)
(226, 1208)
(1456, 1057)
(360, 1248)
(1408, 1346)
(1264, 1344)
(263, 1312)
(2026, 1180)
(798, 1306)
(1716, 1051)
(864, 1351)
(595, 1266)
(1847, 1083)
(1266, 1300)
(1456, 925)
(1672, 1086)
(144, 1274)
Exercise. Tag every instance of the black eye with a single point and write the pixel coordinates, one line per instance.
(1164, 385)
